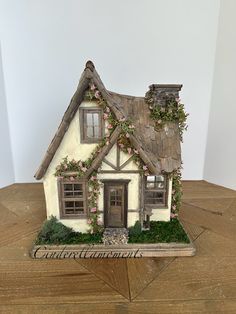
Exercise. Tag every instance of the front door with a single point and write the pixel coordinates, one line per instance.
(115, 201)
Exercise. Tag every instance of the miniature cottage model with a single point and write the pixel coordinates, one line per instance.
(113, 159)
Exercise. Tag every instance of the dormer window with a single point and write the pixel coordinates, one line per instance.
(91, 125)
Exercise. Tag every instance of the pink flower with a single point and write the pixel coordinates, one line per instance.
(145, 167)
(110, 126)
(159, 121)
(173, 215)
(105, 116)
(97, 94)
(72, 179)
(93, 178)
(89, 221)
(92, 87)
(107, 109)
(84, 169)
(174, 207)
(129, 150)
(127, 135)
(121, 145)
(93, 210)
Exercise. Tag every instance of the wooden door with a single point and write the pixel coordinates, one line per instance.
(115, 201)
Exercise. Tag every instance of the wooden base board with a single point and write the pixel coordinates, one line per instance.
(88, 251)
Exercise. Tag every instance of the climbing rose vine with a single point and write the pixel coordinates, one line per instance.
(79, 168)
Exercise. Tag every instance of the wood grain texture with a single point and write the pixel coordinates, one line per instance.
(202, 284)
(141, 272)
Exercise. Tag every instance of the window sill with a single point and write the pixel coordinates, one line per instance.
(68, 217)
(94, 141)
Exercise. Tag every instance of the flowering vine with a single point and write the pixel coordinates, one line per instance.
(79, 168)
(96, 225)
(177, 193)
(172, 111)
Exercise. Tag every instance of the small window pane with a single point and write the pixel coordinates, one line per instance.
(160, 185)
(96, 131)
(78, 194)
(78, 187)
(68, 187)
(150, 185)
(96, 119)
(90, 132)
(151, 178)
(89, 119)
(79, 204)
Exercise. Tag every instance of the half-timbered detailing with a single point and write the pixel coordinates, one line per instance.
(110, 164)
(118, 162)
(131, 185)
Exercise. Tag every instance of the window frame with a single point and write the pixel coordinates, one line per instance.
(83, 125)
(164, 190)
(63, 199)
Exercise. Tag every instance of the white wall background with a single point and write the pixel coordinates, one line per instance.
(6, 164)
(133, 43)
(220, 166)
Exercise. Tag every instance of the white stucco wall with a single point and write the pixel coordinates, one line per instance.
(71, 147)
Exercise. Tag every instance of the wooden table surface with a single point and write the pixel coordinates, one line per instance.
(205, 283)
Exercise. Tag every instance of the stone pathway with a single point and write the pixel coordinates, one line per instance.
(113, 236)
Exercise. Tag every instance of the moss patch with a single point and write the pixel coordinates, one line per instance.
(160, 232)
(54, 232)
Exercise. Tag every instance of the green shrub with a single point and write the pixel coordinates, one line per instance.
(136, 229)
(161, 231)
(54, 232)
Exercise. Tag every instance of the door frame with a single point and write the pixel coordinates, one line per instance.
(111, 182)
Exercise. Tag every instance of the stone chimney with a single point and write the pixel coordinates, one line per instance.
(160, 93)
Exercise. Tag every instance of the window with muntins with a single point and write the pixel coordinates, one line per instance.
(155, 191)
(91, 125)
(72, 199)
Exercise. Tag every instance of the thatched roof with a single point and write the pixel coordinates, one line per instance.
(160, 150)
